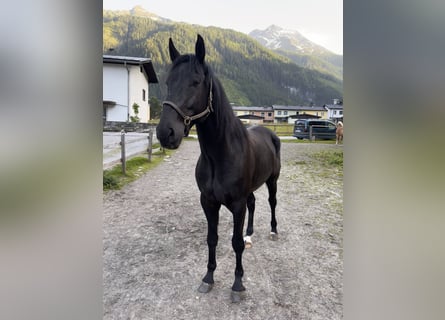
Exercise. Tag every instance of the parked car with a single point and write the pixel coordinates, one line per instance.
(321, 129)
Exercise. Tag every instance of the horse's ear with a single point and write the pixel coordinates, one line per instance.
(200, 50)
(173, 52)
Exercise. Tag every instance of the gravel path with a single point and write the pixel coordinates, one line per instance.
(155, 251)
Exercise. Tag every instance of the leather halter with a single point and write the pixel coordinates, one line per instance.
(189, 119)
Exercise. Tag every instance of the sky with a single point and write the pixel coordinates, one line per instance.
(321, 21)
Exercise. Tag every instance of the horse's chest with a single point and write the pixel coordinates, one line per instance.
(220, 185)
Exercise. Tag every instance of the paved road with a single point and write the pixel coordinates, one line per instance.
(155, 250)
(135, 143)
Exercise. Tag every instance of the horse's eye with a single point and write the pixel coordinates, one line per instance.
(195, 83)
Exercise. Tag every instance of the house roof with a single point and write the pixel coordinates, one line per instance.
(134, 61)
(252, 108)
(299, 108)
(334, 106)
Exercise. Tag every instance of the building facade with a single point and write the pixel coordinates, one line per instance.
(288, 114)
(266, 113)
(126, 84)
(335, 112)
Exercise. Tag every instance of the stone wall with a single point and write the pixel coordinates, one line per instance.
(118, 126)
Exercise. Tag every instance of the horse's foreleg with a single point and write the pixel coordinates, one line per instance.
(249, 231)
(211, 210)
(272, 187)
(238, 210)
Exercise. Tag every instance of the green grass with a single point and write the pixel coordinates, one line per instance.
(307, 141)
(330, 157)
(114, 179)
(280, 129)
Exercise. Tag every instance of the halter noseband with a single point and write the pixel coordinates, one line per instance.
(189, 119)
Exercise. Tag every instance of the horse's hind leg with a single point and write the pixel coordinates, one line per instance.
(249, 230)
(272, 187)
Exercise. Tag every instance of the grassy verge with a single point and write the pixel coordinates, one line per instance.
(333, 158)
(114, 179)
(307, 141)
(324, 167)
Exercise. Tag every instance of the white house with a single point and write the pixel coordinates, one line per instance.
(335, 111)
(288, 114)
(126, 82)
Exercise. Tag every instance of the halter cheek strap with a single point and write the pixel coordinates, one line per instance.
(189, 119)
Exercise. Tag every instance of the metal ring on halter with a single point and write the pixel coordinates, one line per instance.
(187, 120)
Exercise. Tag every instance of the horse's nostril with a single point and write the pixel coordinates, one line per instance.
(171, 134)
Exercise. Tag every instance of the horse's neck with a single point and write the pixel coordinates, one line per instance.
(220, 135)
(210, 139)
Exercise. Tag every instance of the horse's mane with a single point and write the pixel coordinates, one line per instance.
(228, 124)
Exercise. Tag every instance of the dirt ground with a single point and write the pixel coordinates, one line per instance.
(155, 251)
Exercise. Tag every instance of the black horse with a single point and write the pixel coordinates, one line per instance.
(234, 161)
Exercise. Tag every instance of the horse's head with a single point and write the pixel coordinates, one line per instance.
(188, 95)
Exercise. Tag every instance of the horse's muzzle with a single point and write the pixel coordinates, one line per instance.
(168, 137)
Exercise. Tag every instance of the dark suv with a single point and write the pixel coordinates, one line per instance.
(320, 129)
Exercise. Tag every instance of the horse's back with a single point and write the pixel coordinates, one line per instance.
(262, 136)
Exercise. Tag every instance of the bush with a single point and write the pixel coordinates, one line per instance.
(109, 181)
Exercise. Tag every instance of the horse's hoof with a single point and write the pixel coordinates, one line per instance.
(247, 242)
(237, 296)
(273, 236)
(205, 287)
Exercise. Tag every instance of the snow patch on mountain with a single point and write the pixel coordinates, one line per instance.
(275, 37)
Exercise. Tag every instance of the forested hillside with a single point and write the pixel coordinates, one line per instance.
(250, 73)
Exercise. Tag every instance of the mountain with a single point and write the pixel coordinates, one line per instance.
(302, 51)
(277, 38)
(139, 11)
(250, 73)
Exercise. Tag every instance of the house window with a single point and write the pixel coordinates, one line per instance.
(269, 114)
(279, 113)
(143, 94)
(341, 112)
(262, 114)
(285, 113)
